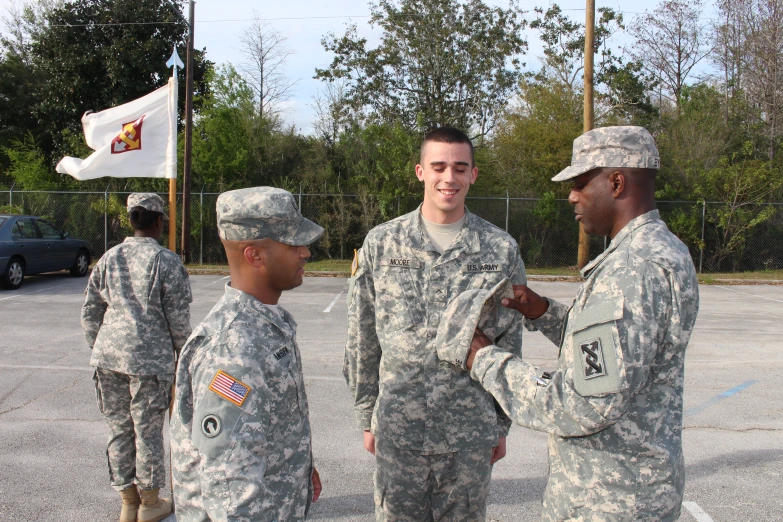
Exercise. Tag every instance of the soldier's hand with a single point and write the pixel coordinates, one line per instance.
(369, 442)
(479, 341)
(316, 485)
(499, 451)
(527, 302)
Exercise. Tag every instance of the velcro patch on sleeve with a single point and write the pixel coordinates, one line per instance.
(597, 355)
(229, 388)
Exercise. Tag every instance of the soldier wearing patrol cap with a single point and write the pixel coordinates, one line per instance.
(434, 432)
(240, 433)
(136, 317)
(613, 407)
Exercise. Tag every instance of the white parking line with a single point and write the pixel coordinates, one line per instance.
(334, 301)
(697, 512)
(55, 368)
(36, 291)
(748, 293)
(215, 282)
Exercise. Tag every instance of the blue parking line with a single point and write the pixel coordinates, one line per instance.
(711, 402)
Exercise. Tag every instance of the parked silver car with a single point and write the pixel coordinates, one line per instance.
(31, 245)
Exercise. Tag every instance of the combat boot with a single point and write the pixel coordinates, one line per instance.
(130, 504)
(153, 509)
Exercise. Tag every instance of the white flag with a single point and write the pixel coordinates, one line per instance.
(135, 140)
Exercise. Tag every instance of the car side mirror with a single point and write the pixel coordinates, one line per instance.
(66, 234)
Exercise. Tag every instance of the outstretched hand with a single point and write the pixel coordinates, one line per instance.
(527, 302)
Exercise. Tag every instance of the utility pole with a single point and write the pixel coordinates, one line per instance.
(188, 158)
(583, 256)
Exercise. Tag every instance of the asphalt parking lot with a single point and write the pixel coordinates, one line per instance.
(52, 436)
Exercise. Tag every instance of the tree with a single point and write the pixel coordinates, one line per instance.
(439, 62)
(266, 53)
(621, 88)
(670, 43)
(533, 140)
(223, 132)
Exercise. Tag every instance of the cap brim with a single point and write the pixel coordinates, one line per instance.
(308, 233)
(572, 172)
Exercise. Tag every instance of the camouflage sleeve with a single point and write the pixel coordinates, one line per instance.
(511, 341)
(176, 298)
(551, 323)
(94, 306)
(362, 350)
(609, 349)
(231, 438)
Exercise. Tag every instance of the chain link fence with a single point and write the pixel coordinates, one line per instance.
(722, 236)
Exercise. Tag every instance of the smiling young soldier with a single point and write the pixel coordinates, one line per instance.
(240, 432)
(613, 407)
(434, 432)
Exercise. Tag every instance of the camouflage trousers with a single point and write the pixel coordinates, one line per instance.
(413, 487)
(135, 407)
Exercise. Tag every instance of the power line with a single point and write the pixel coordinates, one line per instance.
(286, 18)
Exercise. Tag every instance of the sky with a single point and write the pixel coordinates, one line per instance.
(220, 24)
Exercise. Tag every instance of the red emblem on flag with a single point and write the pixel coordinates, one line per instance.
(129, 137)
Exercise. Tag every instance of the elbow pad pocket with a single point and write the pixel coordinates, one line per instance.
(597, 354)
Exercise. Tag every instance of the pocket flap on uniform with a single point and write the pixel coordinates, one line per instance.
(598, 314)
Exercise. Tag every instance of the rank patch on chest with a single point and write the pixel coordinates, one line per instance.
(229, 388)
(593, 359)
(483, 267)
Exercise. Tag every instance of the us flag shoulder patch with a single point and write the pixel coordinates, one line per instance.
(229, 388)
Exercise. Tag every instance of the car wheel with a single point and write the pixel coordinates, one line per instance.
(81, 265)
(14, 274)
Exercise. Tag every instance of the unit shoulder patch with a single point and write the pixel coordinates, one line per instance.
(210, 426)
(229, 388)
(592, 359)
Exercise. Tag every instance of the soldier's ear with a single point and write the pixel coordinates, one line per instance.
(254, 255)
(617, 181)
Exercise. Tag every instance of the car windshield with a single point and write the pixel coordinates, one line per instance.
(2, 220)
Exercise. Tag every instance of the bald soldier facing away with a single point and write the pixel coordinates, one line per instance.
(136, 317)
(240, 432)
(613, 407)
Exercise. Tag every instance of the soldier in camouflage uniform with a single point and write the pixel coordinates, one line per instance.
(240, 433)
(614, 406)
(136, 318)
(435, 433)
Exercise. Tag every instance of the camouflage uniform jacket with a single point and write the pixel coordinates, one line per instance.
(240, 432)
(136, 315)
(401, 391)
(613, 407)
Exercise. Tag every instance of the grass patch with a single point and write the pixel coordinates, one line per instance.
(344, 266)
(330, 265)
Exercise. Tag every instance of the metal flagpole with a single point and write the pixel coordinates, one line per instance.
(583, 255)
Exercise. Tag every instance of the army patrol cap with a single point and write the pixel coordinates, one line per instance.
(466, 312)
(621, 147)
(148, 201)
(264, 213)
